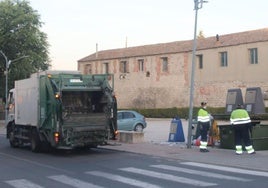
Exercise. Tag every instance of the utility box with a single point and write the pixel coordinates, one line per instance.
(260, 137)
(195, 129)
(254, 102)
(176, 131)
(234, 97)
(226, 137)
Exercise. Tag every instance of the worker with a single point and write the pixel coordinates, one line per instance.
(241, 123)
(203, 119)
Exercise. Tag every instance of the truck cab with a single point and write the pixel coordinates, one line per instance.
(11, 106)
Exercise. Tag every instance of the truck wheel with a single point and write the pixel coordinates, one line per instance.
(45, 147)
(138, 128)
(12, 140)
(35, 143)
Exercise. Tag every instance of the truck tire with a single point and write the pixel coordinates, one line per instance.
(12, 140)
(35, 142)
(45, 146)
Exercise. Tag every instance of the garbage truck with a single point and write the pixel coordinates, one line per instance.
(62, 110)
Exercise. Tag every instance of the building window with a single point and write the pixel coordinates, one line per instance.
(224, 59)
(88, 69)
(200, 61)
(141, 65)
(253, 52)
(124, 67)
(106, 68)
(164, 64)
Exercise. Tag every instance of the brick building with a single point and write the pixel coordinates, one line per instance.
(159, 75)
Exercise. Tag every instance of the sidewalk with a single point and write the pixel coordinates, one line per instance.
(179, 151)
(155, 144)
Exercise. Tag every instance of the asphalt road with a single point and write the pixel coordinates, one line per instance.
(103, 167)
(97, 168)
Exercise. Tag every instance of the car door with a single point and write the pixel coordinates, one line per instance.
(125, 120)
(121, 122)
(129, 118)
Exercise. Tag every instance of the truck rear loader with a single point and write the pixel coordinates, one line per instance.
(62, 110)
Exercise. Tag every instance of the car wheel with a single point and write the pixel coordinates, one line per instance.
(138, 128)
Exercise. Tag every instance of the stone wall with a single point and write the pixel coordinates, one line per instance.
(154, 88)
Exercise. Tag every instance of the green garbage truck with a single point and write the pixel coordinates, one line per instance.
(62, 110)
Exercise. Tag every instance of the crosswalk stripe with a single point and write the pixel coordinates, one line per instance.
(200, 173)
(122, 179)
(168, 177)
(73, 181)
(22, 183)
(227, 169)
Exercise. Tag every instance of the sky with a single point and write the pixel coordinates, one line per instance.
(76, 28)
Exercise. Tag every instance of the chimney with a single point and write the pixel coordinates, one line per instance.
(96, 50)
(217, 37)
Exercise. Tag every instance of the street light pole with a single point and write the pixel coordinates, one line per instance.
(198, 4)
(6, 105)
(8, 62)
(6, 92)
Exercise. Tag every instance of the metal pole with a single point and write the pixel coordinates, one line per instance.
(6, 105)
(198, 5)
(6, 72)
(8, 62)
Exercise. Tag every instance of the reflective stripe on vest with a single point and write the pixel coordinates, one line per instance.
(238, 121)
(203, 116)
(239, 116)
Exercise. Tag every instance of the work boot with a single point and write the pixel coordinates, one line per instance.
(204, 150)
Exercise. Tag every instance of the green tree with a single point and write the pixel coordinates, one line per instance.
(21, 39)
(201, 35)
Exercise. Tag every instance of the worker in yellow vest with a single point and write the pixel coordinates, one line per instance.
(203, 118)
(241, 123)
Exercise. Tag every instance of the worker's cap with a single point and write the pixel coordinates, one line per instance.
(203, 103)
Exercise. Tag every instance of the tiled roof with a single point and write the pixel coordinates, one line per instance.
(259, 35)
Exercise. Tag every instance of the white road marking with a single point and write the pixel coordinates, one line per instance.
(227, 169)
(35, 163)
(22, 183)
(122, 179)
(168, 177)
(73, 181)
(199, 172)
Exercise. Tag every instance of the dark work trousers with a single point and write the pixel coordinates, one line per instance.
(204, 127)
(241, 133)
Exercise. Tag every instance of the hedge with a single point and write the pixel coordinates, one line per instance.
(183, 113)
